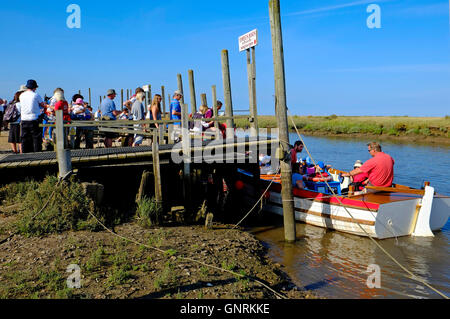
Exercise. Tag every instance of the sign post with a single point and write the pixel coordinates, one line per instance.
(248, 42)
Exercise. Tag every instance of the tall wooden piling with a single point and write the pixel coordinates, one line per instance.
(121, 99)
(227, 93)
(186, 143)
(180, 87)
(156, 169)
(214, 98)
(169, 101)
(150, 95)
(146, 101)
(204, 99)
(192, 91)
(62, 154)
(163, 97)
(281, 114)
(251, 72)
(90, 101)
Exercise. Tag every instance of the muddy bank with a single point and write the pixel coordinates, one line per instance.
(112, 268)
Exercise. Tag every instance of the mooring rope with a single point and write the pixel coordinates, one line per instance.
(414, 277)
(259, 200)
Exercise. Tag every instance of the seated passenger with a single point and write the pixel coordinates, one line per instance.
(297, 178)
(359, 181)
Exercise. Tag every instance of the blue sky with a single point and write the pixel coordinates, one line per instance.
(334, 63)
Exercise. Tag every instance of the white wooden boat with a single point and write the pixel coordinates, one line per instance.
(391, 212)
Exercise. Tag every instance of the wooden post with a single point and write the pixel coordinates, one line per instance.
(128, 95)
(163, 97)
(169, 134)
(156, 169)
(79, 92)
(281, 114)
(90, 101)
(143, 186)
(192, 88)
(145, 102)
(161, 130)
(214, 98)
(204, 99)
(63, 154)
(251, 72)
(150, 95)
(180, 88)
(227, 94)
(100, 99)
(186, 141)
(168, 105)
(121, 99)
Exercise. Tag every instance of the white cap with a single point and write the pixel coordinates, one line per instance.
(358, 163)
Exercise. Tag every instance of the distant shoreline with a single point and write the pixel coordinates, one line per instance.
(420, 130)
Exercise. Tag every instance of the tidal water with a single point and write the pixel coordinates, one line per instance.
(335, 264)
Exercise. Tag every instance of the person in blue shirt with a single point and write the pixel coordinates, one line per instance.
(109, 112)
(175, 107)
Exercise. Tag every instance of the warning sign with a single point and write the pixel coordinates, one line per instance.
(248, 40)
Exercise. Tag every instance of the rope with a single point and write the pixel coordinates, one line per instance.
(259, 200)
(412, 276)
(279, 295)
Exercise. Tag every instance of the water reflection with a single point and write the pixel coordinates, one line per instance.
(335, 264)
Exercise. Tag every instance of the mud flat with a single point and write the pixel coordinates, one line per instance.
(113, 268)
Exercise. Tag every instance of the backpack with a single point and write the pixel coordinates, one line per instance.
(11, 113)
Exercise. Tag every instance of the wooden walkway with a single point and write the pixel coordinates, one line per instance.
(243, 150)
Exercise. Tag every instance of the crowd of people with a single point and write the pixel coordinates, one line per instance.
(27, 110)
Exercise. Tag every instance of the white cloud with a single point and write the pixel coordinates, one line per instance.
(335, 7)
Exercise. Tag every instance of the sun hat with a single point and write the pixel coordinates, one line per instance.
(177, 92)
(23, 88)
(31, 84)
(358, 163)
(79, 101)
(111, 92)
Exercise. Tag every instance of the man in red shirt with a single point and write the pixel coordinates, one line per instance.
(380, 167)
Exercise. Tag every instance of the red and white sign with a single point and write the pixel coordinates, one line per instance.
(248, 40)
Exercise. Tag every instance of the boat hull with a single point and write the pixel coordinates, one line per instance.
(394, 216)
